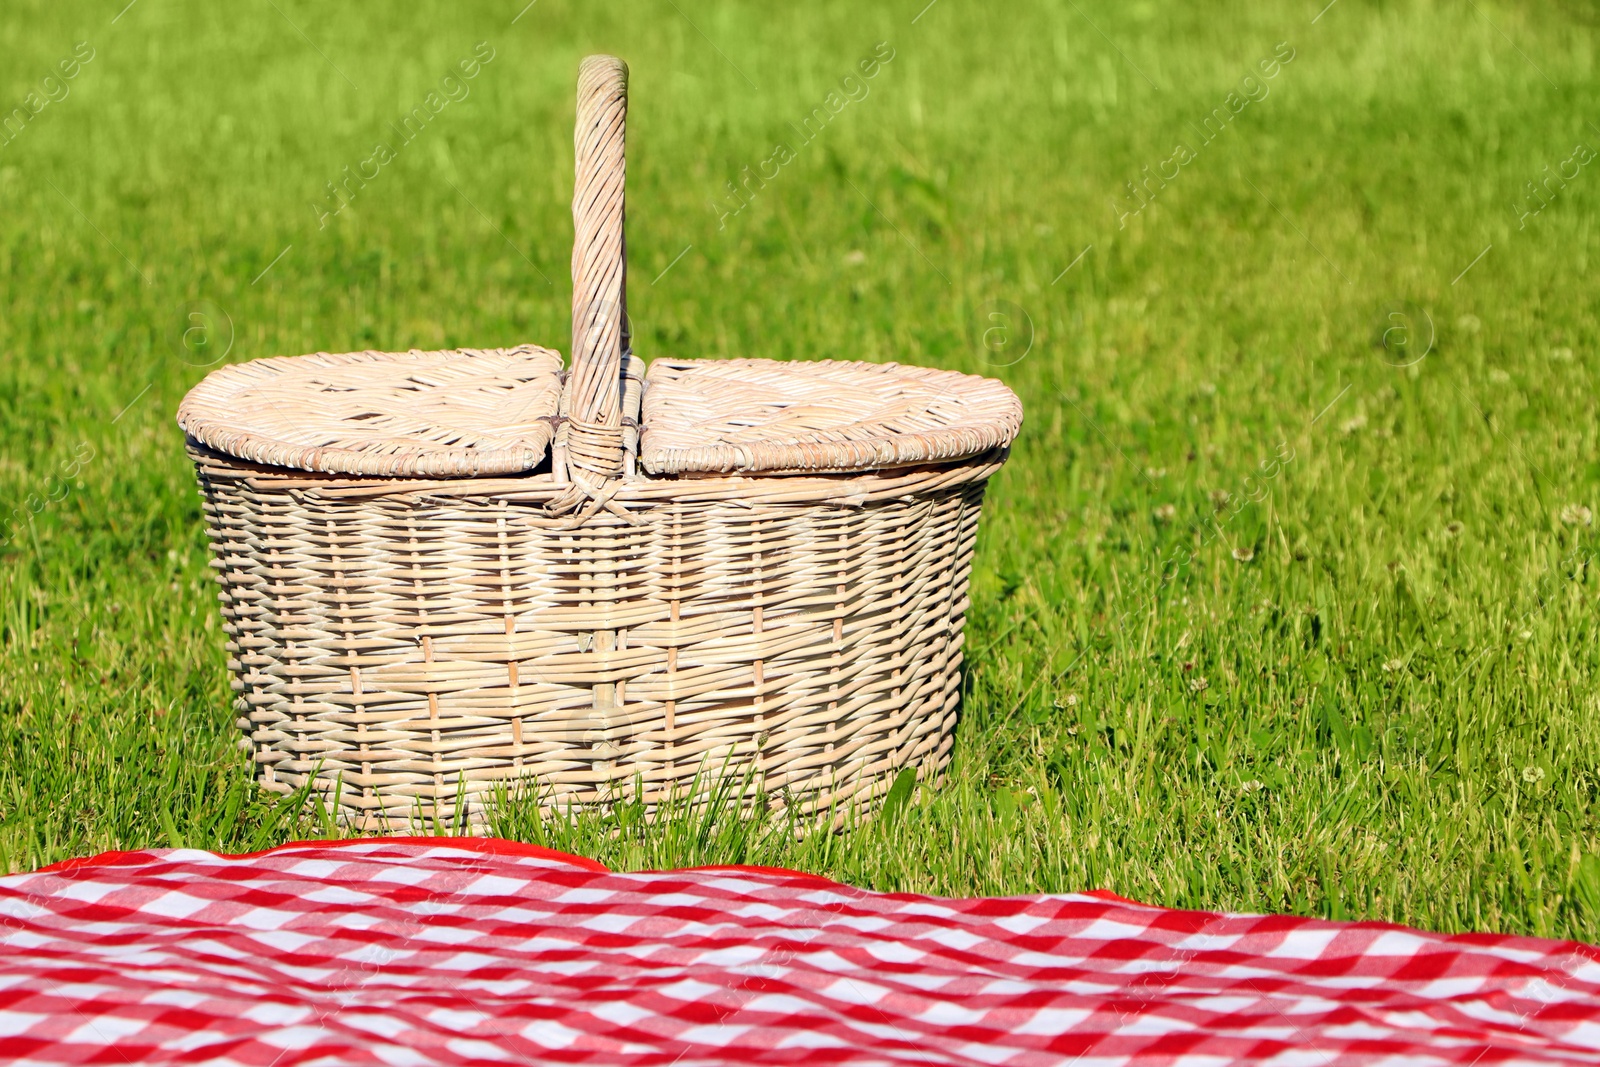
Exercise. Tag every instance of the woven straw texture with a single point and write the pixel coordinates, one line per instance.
(403, 645)
(767, 415)
(437, 414)
(407, 646)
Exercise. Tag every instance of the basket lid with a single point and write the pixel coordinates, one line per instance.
(750, 415)
(432, 414)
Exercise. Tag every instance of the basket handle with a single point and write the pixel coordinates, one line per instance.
(589, 443)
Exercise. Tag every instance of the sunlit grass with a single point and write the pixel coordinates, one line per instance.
(1268, 614)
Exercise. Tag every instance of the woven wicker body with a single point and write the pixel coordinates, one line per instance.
(779, 592)
(408, 646)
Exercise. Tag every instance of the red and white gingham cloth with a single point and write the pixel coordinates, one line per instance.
(451, 951)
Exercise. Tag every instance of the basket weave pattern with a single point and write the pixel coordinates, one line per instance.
(405, 651)
(428, 609)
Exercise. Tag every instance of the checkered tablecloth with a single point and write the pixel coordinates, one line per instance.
(450, 951)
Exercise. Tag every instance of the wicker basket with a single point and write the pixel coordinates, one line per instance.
(446, 573)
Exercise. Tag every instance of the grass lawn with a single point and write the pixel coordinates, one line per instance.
(1285, 600)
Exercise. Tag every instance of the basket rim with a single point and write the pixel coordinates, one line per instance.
(636, 497)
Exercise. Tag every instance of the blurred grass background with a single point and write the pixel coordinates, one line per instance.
(1285, 600)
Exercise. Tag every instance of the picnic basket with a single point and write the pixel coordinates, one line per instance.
(444, 574)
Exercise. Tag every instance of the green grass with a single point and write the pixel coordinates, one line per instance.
(1261, 620)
